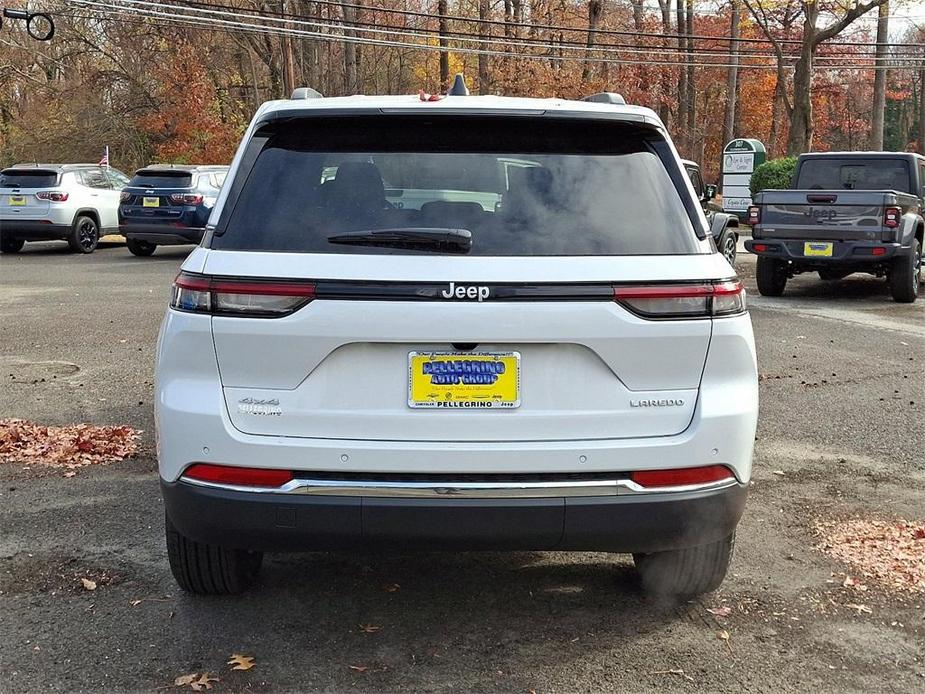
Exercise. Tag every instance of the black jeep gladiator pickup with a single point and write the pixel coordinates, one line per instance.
(846, 212)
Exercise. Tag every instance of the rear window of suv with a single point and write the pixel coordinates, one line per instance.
(520, 186)
(162, 179)
(14, 178)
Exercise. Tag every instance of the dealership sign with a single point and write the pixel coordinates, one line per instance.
(740, 158)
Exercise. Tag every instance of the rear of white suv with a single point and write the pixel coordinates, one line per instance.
(477, 323)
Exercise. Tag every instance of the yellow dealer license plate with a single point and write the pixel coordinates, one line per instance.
(817, 248)
(17, 200)
(464, 380)
(150, 202)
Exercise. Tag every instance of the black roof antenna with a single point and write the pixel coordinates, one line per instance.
(459, 87)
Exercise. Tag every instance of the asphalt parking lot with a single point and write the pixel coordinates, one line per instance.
(841, 435)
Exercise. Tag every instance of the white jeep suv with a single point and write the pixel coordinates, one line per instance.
(77, 203)
(472, 323)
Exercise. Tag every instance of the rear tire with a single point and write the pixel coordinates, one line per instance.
(140, 248)
(833, 275)
(728, 245)
(208, 569)
(685, 572)
(772, 276)
(85, 235)
(906, 275)
(11, 245)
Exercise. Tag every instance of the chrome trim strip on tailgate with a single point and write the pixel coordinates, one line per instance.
(464, 490)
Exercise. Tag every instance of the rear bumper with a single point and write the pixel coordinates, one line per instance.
(33, 230)
(843, 252)
(288, 522)
(162, 234)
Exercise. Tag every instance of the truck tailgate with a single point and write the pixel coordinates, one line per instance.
(841, 215)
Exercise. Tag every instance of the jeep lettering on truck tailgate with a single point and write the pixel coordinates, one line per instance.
(442, 325)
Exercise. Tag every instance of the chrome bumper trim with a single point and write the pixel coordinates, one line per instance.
(464, 490)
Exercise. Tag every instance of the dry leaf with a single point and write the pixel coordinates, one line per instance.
(391, 587)
(370, 628)
(70, 473)
(723, 611)
(72, 446)
(359, 668)
(135, 603)
(862, 609)
(88, 584)
(204, 682)
(184, 680)
(723, 635)
(778, 472)
(241, 662)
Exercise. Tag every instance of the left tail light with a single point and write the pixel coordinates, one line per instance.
(51, 196)
(683, 300)
(255, 298)
(186, 199)
(754, 215)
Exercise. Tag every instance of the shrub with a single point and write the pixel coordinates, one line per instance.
(777, 173)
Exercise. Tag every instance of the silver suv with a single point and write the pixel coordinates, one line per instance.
(76, 203)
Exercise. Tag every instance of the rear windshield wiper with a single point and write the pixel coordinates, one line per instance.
(437, 239)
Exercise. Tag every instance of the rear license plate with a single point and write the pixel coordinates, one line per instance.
(816, 248)
(150, 202)
(464, 380)
(17, 200)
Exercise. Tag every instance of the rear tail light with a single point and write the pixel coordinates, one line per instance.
(238, 476)
(682, 477)
(754, 215)
(186, 199)
(891, 217)
(683, 300)
(125, 196)
(257, 298)
(51, 196)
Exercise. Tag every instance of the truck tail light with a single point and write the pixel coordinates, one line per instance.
(754, 215)
(52, 196)
(186, 199)
(681, 477)
(238, 476)
(254, 298)
(891, 217)
(683, 300)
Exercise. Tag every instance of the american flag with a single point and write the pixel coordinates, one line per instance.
(105, 160)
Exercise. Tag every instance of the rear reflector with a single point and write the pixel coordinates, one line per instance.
(759, 247)
(683, 300)
(256, 298)
(239, 476)
(878, 250)
(682, 477)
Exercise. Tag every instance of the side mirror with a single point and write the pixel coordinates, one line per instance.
(709, 191)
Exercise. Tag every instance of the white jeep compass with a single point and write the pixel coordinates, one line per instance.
(473, 323)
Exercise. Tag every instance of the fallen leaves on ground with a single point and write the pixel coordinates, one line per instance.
(88, 584)
(861, 609)
(391, 588)
(723, 611)
(241, 662)
(195, 681)
(370, 628)
(70, 447)
(891, 551)
(360, 668)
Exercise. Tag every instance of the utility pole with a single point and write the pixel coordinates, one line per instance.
(883, 37)
(289, 76)
(732, 77)
(444, 29)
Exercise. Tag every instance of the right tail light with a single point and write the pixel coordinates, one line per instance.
(891, 217)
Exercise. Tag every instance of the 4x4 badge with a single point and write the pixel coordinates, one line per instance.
(479, 293)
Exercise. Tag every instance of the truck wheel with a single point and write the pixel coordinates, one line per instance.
(685, 572)
(772, 276)
(140, 248)
(906, 275)
(207, 569)
(728, 245)
(11, 245)
(833, 275)
(84, 236)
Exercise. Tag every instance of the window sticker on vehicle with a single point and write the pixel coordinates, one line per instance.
(464, 380)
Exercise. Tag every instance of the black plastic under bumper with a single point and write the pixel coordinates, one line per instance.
(162, 234)
(843, 252)
(34, 230)
(291, 522)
